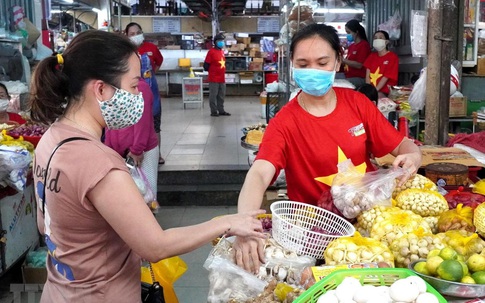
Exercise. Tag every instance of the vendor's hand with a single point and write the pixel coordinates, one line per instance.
(137, 159)
(410, 163)
(249, 253)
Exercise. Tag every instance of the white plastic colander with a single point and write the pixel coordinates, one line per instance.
(293, 223)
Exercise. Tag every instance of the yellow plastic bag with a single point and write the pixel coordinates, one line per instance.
(465, 243)
(166, 272)
(455, 219)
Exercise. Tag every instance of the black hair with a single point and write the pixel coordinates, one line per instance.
(5, 88)
(58, 81)
(369, 91)
(130, 25)
(355, 26)
(219, 37)
(326, 32)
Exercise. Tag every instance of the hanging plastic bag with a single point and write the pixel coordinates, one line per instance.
(166, 272)
(393, 25)
(143, 185)
(354, 192)
(417, 98)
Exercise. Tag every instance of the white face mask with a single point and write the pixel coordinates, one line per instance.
(379, 44)
(138, 39)
(4, 105)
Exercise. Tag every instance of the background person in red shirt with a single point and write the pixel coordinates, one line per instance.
(215, 64)
(4, 102)
(357, 52)
(382, 66)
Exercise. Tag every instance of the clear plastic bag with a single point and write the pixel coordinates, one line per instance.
(393, 25)
(143, 186)
(417, 98)
(14, 164)
(354, 192)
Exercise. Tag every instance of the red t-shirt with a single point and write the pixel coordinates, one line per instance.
(156, 58)
(310, 147)
(385, 66)
(357, 52)
(217, 65)
(16, 118)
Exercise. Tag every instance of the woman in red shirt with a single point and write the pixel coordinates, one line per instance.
(382, 66)
(357, 52)
(4, 102)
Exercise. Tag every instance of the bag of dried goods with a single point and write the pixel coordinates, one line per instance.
(414, 246)
(367, 218)
(357, 249)
(354, 192)
(459, 218)
(417, 181)
(397, 224)
(423, 202)
(433, 223)
(464, 242)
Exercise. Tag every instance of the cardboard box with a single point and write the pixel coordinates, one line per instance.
(256, 46)
(458, 107)
(272, 196)
(258, 60)
(244, 40)
(172, 47)
(255, 66)
(33, 275)
(481, 66)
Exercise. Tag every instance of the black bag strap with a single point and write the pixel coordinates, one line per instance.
(49, 162)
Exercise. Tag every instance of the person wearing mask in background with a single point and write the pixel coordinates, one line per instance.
(382, 65)
(95, 222)
(139, 142)
(357, 52)
(134, 31)
(4, 103)
(215, 64)
(319, 128)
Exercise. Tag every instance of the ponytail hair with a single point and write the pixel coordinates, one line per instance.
(58, 82)
(355, 26)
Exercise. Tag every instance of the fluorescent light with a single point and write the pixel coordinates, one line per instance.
(340, 10)
(96, 10)
(69, 1)
(56, 11)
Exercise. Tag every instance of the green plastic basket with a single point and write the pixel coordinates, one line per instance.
(372, 276)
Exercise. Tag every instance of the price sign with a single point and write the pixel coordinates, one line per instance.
(269, 24)
(166, 25)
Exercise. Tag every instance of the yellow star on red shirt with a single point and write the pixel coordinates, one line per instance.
(375, 76)
(328, 180)
(222, 63)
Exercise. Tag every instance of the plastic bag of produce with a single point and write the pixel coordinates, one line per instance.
(227, 280)
(367, 218)
(397, 224)
(143, 185)
(354, 192)
(459, 218)
(454, 197)
(14, 164)
(357, 249)
(414, 246)
(423, 202)
(418, 182)
(465, 243)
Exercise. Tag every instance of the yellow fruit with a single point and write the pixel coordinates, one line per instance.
(479, 277)
(476, 262)
(448, 253)
(450, 270)
(421, 268)
(468, 279)
(433, 263)
(434, 252)
(460, 258)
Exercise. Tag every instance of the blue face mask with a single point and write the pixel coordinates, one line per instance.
(350, 38)
(315, 82)
(220, 44)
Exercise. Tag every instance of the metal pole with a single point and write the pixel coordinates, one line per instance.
(215, 21)
(433, 73)
(448, 9)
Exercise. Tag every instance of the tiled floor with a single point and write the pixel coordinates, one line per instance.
(192, 139)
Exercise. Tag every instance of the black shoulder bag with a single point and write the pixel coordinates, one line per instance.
(49, 162)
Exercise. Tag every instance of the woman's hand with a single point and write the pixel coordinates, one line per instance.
(249, 253)
(137, 159)
(410, 163)
(245, 224)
